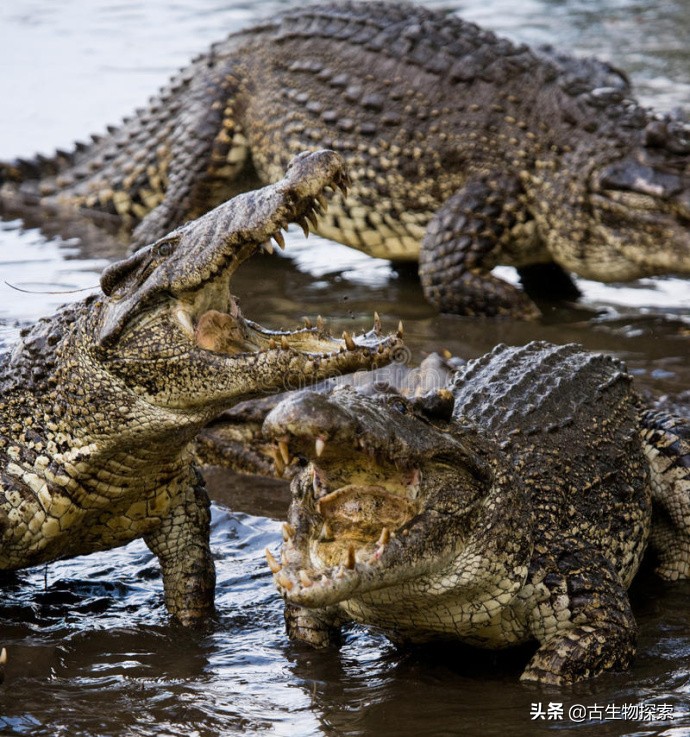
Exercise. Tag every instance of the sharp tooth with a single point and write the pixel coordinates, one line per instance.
(278, 461)
(351, 561)
(319, 445)
(322, 201)
(414, 483)
(272, 562)
(377, 323)
(319, 323)
(288, 531)
(272, 343)
(268, 247)
(385, 537)
(304, 225)
(311, 217)
(284, 343)
(400, 329)
(185, 320)
(326, 532)
(304, 579)
(349, 343)
(307, 323)
(3, 657)
(278, 237)
(284, 451)
(282, 580)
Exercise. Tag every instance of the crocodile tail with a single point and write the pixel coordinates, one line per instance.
(39, 168)
(666, 441)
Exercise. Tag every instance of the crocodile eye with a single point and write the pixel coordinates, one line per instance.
(164, 249)
(399, 406)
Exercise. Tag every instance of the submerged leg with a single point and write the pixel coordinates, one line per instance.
(182, 546)
(315, 627)
(582, 618)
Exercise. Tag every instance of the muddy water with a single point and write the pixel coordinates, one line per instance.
(92, 652)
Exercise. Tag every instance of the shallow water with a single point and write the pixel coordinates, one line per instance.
(92, 652)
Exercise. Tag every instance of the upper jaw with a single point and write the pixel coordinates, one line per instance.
(188, 262)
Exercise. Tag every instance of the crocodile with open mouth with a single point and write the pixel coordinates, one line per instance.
(99, 403)
(466, 151)
(513, 505)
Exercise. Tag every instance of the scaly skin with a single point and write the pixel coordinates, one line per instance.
(235, 440)
(513, 505)
(465, 151)
(99, 403)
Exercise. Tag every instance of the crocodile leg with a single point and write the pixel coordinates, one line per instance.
(666, 442)
(581, 616)
(181, 544)
(204, 162)
(316, 627)
(463, 242)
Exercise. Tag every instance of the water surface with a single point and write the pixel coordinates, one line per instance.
(92, 651)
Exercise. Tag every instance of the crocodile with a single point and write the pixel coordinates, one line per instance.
(513, 505)
(235, 440)
(466, 151)
(100, 403)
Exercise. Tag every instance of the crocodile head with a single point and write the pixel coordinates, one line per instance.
(170, 327)
(395, 512)
(641, 202)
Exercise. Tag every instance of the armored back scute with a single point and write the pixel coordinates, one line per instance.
(539, 388)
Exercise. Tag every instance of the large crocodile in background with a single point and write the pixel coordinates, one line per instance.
(512, 506)
(465, 150)
(100, 402)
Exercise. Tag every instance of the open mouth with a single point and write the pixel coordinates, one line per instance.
(385, 495)
(188, 272)
(353, 506)
(212, 320)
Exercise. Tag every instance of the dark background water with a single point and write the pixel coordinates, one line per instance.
(91, 649)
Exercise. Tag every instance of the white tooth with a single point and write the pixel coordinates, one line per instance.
(320, 444)
(272, 562)
(185, 320)
(304, 579)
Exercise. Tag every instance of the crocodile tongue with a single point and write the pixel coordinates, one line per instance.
(222, 333)
(360, 512)
(353, 519)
